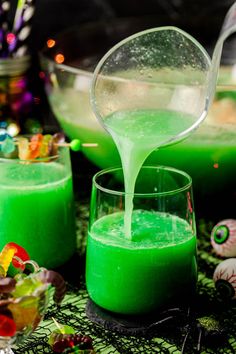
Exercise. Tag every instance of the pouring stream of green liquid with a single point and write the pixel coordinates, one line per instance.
(137, 133)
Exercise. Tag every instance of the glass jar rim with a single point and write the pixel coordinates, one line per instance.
(186, 185)
(14, 66)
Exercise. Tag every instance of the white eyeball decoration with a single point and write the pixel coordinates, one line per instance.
(225, 278)
(223, 238)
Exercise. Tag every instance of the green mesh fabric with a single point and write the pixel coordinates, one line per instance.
(164, 339)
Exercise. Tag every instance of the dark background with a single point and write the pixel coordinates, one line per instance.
(201, 18)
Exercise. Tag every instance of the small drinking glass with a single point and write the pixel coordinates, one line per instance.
(37, 207)
(156, 267)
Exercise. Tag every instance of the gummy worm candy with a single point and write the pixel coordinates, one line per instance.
(7, 326)
(6, 257)
(10, 250)
(71, 343)
(64, 339)
(54, 278)
(39, 146)
(75, 343)
(7, 285)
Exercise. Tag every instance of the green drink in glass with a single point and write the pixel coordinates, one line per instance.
(142, 273)
(37, 207)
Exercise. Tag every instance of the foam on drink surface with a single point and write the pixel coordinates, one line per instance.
(149, 229)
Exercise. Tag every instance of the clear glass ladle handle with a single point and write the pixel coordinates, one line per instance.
(228, 27)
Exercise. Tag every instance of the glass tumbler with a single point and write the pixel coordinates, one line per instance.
(156, 267)
(37, 207)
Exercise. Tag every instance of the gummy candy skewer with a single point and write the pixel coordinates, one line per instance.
(75, 144)
(38, 145)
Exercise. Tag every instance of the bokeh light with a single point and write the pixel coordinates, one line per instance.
(51, 43)
(11, 38)
(59, 58)
(42, 75)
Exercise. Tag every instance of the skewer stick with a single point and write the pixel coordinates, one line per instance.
(56, 324)
(74, 141)
(71, 144)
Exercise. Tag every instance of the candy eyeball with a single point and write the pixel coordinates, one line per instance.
(223, 238)
(225, 278)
